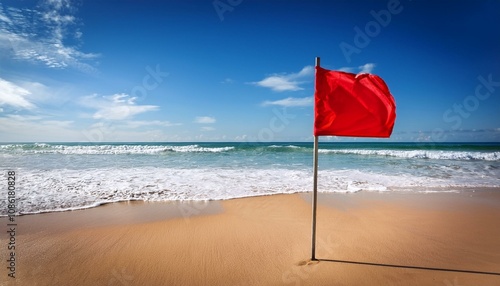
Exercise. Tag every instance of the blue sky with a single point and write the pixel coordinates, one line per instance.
(240, 70)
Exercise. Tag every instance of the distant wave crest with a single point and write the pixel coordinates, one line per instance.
(42, 148)
(421, 154)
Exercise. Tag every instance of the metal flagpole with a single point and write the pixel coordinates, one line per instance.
(315, 191)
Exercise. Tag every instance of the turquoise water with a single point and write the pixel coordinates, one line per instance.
(60, 176)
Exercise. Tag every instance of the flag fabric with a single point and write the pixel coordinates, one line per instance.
(347, 104)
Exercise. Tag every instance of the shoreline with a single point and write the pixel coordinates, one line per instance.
(265, 240)
(392, 190)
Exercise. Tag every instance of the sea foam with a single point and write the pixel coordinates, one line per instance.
(66, 189)
(420, 154)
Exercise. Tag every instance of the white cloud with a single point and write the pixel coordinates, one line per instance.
(243, 137)
(14, 95)
(112, 132)
(58, 4)
(346, 69)
(115, 107)
(137, 124)
(367, 68)
(31, 95)
(58, 123)
(204, 120)
(305, 71)
(227, 81)
(291, 102)
(39, 35)
(16, 128)
(207, 128)
(4, 18)
(41, 93)
(24, 117)
(286, 82)
(278, 83)
(32, 129)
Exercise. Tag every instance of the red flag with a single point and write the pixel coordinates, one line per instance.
(347, 104)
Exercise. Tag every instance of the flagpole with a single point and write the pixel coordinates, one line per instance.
(315, 190)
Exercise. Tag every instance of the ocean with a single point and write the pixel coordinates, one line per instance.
(68, 176)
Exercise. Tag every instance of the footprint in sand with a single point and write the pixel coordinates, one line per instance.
(307, 262)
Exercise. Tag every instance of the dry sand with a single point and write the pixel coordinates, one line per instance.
(363, 239)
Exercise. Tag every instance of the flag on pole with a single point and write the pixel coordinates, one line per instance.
(347, 104)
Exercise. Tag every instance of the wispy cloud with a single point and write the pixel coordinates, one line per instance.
(207, 128)
(14, 95)
(347, 69)
(15, 128)
(128, 131)
(115, 107)
(291, 102)
(41, 35)
(158, 123)
(286, 82)
(25, 117)
(59, 123)
(227, 81)
(366, 68)
(204, 120)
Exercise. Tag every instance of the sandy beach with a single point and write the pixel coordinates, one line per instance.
(363, 239)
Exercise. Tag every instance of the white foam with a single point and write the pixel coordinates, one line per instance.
(42, 148)
(196, 148)
(420, 154)
(64, 189)
(287, 146)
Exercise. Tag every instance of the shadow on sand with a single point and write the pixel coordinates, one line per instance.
(409, 267)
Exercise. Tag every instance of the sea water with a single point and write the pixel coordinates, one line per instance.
(66, 176)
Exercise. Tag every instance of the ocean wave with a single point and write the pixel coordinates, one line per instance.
(420, 154)
(287, 148)
(66, 189)
(43, 148)
(196, 148)
(112, 149)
